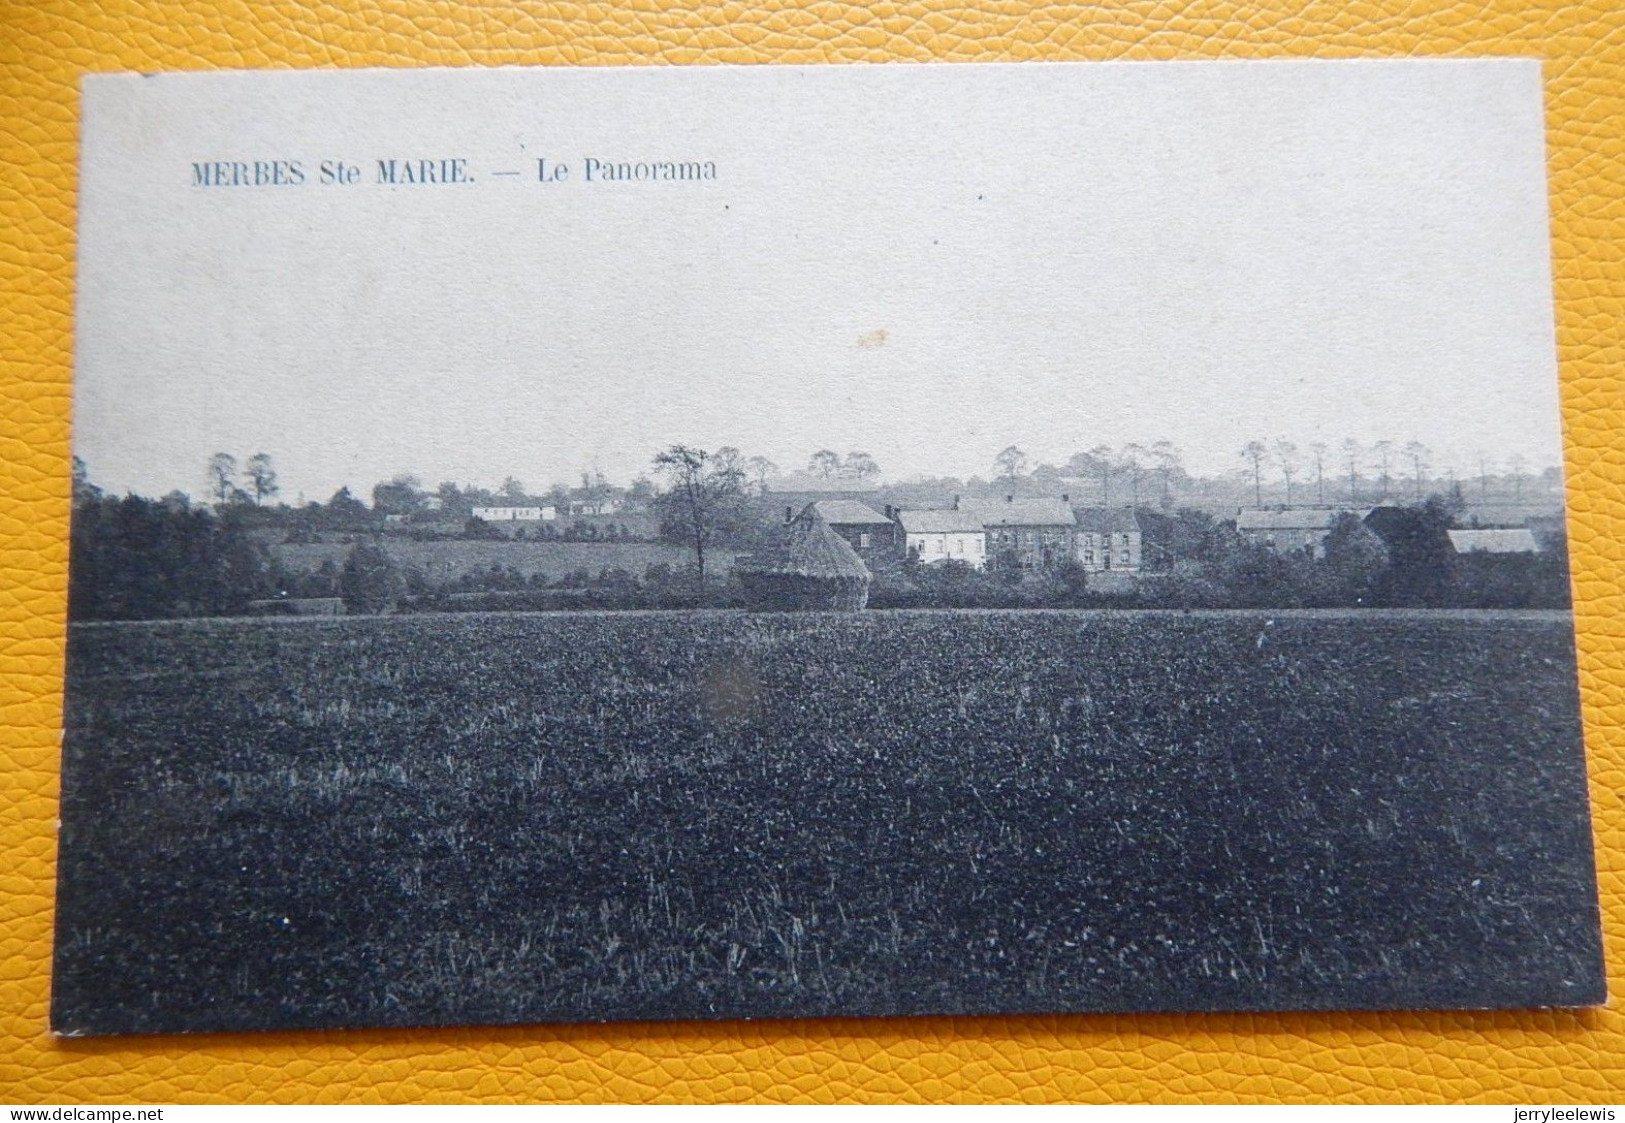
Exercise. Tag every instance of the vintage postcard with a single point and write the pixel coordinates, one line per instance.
(560, 545)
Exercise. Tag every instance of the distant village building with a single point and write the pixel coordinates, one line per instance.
(1514, 540)
(869, 532)
(607, 505)
(1109, 538)
(808, 567)
(939, 536)
(1301, 530)
(1032, 534)
(515, 514)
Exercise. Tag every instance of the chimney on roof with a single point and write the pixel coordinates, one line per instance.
(1009, 498)
(888, 511)
(956, 502)
(1065, 498)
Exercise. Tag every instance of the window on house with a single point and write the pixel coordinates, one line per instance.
(863, 541)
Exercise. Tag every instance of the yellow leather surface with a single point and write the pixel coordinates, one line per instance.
(1533, 1056)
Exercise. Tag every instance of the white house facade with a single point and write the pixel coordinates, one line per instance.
(514, 514)
(940, 536)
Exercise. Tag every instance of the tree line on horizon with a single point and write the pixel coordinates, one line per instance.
(136, 558)
(1125, 475)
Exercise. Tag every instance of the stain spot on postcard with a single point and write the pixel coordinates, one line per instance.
(730, 692)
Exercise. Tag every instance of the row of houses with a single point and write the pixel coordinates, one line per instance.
(1305, 530)
(548, 512)
(1029, 534)
(1041, 534)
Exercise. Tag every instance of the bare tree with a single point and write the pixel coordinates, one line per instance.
(261, 477)
(860, 466)
(222, 476)
(1351, 460)
(1485, 463)
(1450, 472)
(514, 491)
(596, 491)
(1417, 453)
(760, 468)
(1105, 463)
(825, 464)
(1168, 461)
(728, 465)
(1254, 452)
(700, 497)
(1011, 463)
(1286, 454)
(1317, 457)
(1516, 468)
(1132, 459)
(1385, 454)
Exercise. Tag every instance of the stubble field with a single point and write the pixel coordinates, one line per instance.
(423, 820)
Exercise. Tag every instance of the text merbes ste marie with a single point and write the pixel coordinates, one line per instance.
(438, 171)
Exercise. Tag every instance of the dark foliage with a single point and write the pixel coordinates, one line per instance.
(140, 559)
(370, 581)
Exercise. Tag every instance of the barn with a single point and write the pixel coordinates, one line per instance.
(1511, 540)
(808, 567)
(872, 534)
(1299, 530)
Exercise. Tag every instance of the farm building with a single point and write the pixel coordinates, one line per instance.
(1108, 538)
(1026, 533)
(872, 534)
(1515, 540)
(939, 536)
(808, 567)
(1298, 530)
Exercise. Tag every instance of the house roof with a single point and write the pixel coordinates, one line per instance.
(807, 547)
(848, 512)
(1302, 518)
(1517, 540)
(940, 522)
(1107, 520)
(1022, 512)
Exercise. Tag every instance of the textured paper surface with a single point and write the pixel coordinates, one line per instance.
(1503, 1056)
